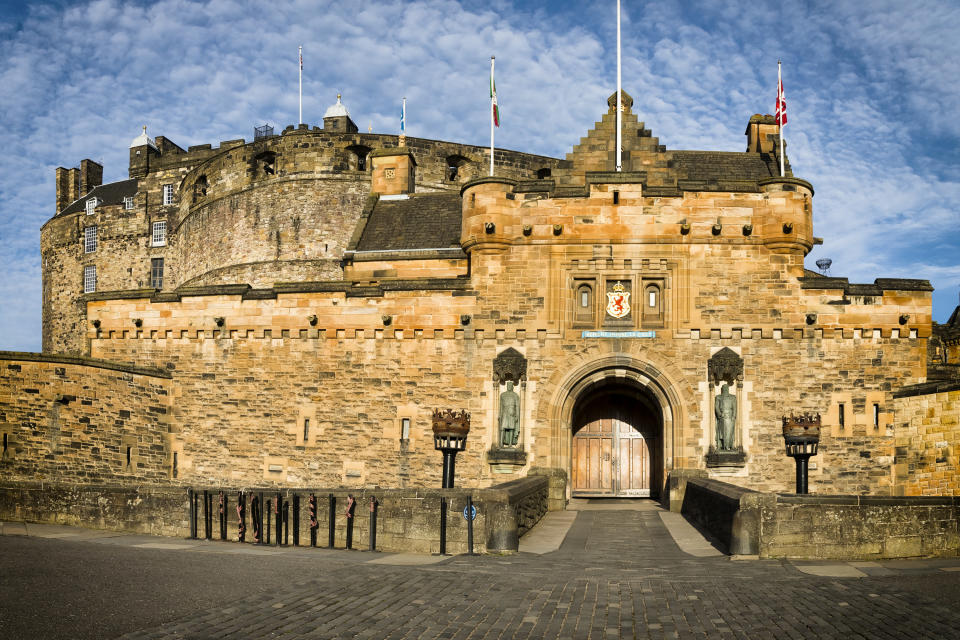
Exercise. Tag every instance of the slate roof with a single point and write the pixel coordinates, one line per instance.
(112, 193)
(422, 221)
(725, 166)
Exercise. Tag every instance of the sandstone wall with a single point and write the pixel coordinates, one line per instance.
(82, 420)
(928, 440)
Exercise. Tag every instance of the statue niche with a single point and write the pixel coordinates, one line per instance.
(725, 368)
(510, 377)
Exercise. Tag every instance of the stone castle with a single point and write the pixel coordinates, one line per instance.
(290, 311)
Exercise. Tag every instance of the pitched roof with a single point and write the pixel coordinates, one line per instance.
(108, 194)
(420, 221)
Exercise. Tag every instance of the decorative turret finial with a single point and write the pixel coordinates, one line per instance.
(144, 129)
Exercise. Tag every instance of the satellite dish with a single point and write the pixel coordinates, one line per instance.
(824, 265)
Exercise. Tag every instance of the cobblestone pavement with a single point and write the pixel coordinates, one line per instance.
(618, 574)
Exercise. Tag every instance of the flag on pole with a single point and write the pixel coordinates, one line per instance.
(403, 115)
(781, 101)
(493, 98)
(301, 58)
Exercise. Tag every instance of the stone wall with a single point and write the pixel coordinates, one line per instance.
(865, 527)
(233, 220)
(83, 420)
(407, 520)
(839, 527)
(927, 441)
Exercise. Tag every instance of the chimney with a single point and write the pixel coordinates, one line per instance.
(68, 187)
(394, 171)
(761, 134)
(91, 175)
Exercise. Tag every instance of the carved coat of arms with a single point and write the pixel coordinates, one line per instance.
(618, 301)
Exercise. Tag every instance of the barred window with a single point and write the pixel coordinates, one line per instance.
(168, 194)
(156, 273)
(159, 238)
(128, 202)
(89, 239)
(90, 278)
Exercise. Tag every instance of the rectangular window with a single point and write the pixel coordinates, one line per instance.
(876, 416)
(159, 238)
(405, 429)
(128, 202)
(306, 430)
(842, 412)
(91, 205)
(89, 239)
(168, 194)
(90, 278)
(156, 273)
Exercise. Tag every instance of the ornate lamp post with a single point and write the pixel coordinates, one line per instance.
(450, 429)
(801, 434)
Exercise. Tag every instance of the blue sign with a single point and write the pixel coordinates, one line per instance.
(618, 334)
(470, 515)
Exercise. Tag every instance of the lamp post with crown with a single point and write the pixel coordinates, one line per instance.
(801, 435)
(450, 429)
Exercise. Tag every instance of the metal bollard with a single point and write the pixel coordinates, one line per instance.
(314, 525)
(192, 506)
(286, 523)
(351, 505)
(373, 523)
(469, 513)
(241, 516)
(255, 516)
(207, 516)
(223, 516)
(296, 520)
(269, 510)
(443, 526)
(277, 508)
(331, 520)
(260, 519)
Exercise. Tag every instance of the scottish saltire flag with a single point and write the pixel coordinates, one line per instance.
(403, 116)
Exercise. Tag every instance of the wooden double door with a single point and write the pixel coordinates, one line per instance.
(611, 457)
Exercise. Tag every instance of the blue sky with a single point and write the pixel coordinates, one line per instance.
(872, 92)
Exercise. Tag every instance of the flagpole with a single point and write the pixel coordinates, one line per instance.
(300, 50)
(780, 107)
(491, 117)
(619, 107)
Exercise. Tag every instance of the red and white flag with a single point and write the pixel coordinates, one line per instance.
(493, 97)
(781, 101)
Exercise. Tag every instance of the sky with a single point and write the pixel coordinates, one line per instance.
(871, 87)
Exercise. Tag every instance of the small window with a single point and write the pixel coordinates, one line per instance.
(175, 466)
(583, 304)
(168, 194)
(405, 429)
(200, 188)
(652, 297)
(616, 197)
(128, 203)
(159, 237)
(266, 163)
(156, 273)
(4, 445)
(876, 416)
(842, 414)
(306, 429)
(90, 278)
(89, 239)
(91, 206)
(129, 448)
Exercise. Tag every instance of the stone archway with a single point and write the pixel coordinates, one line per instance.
(647, 386)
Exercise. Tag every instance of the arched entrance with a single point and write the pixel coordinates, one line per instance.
(643, 409)
(617, 448)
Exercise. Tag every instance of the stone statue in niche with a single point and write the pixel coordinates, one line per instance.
(725, 409)
(509, 417)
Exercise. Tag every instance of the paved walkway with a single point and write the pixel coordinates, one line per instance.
(619, 571)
